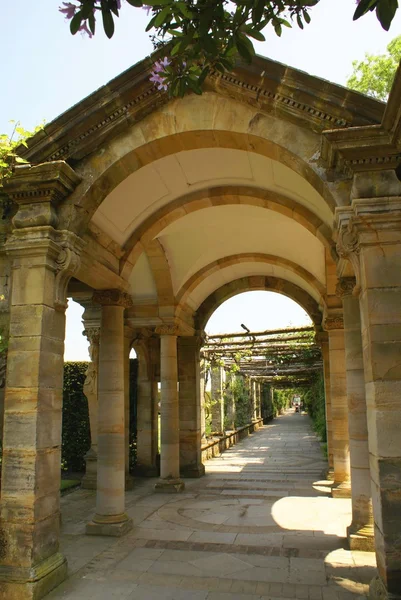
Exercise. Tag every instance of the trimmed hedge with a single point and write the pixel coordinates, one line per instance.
(76, 431)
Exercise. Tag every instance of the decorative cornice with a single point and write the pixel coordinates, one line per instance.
(131, 97)
(332, 323)
(345, 286)
(112, 298)
(92, 334)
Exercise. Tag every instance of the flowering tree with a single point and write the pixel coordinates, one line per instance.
(206, 34)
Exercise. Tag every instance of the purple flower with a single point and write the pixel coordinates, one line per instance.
(84, 29)
(69, 9)
(161, 65)
(147, 8)
(159, 81)
(119, 4)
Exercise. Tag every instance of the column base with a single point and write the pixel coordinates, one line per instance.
(193, 471)
(330, 474)
(115, 525)
(341, 490)
(89, 480)
(377, 591)
(19, 583)
(361, 539)
(169, 486)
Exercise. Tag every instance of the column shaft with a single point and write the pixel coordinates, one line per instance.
(110, 518)
(360, 532)
(339, 412)
(190, 407)
(169, 411)
(216, 381)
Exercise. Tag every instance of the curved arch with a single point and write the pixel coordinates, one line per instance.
(257, 283)
(217, 196)
(228, 261)
(209, 121)
(161, 272)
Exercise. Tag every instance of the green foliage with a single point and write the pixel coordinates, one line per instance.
(76, 430)
(374, 76)
(207, 35)
(8, 149)
(314, 403)
(282, 400)
(242, 401)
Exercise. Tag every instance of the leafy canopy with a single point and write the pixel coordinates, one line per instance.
(206, 35)
(374, 76)
(8, 145)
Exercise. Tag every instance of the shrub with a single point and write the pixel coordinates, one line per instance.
(76, 430)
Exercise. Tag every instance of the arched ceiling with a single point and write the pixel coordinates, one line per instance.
(157, 184)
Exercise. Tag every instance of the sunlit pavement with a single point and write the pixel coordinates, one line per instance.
(260, 525)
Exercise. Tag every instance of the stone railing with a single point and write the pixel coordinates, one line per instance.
(217, 445)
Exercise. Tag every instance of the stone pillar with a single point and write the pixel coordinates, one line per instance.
(43, 260)
(229, 400)
(202, 400)
(147, 409)
(170, 435)
(339, 407)
(128, 335)
(360, 532)
(322, 339)
(110, 518)
(89, 480)
(190, 406)
(216, 381)
(370, 235)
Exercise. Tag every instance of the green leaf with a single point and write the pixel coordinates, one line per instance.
(254, 33)
(76, 22)
(195, 87)
(108, 22)
(363, 7)
(385, 12)
(161, 16)
(159, 2)
(92, 23)
(136, 3)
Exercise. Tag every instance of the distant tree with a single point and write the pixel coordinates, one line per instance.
(374, 75)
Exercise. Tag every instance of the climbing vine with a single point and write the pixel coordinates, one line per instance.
(9, 144)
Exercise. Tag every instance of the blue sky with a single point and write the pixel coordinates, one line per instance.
(45, 71)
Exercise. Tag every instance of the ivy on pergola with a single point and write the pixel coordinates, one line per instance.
(283, 357)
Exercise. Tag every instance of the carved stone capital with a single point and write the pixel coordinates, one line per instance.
(167, 329)
(332, 323)
(38, 190)
(92, 334)
(112, 298)
(345, 286)
(45, 247)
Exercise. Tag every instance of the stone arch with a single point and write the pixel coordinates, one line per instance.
(257, 283)
(209, 121)
(228, 261)
(217, 196)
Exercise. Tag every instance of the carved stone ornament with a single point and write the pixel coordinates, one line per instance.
(332, 323)
(93, 335)
(67, 264)
(345, 286)
(112, 298)
(167, 329)
(347, 242)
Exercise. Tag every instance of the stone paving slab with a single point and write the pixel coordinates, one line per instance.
(258, 526)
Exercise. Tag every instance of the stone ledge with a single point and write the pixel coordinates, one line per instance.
(217, 446)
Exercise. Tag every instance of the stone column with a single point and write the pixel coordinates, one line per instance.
(190, 406)
(370, 235)
(202, 401)
(43, 260)
(322, 339)
(170, 435)
(339, 407)
(147, 409)
(229, 400)
(110, 518)
(128, 336)
(360, 532)
(89, 480)
(216, 381)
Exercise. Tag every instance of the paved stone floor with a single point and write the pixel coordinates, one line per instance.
(259, 526)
